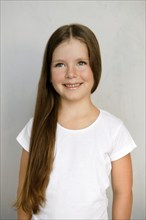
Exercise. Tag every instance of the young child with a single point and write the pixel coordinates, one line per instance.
(71, 147)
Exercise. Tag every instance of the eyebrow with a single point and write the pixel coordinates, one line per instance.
(59, 60)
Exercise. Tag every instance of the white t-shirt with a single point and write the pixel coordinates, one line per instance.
(80, 177)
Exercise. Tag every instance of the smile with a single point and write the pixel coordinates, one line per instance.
(72, 85)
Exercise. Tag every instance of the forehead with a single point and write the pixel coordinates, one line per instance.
(72, 47)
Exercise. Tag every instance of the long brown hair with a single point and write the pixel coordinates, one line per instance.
(41, 155)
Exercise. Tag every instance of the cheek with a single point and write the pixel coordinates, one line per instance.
(89, 76)
(55, 77)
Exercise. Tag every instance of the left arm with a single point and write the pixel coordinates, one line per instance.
(122, 188)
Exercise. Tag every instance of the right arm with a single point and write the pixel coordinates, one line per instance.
(22, 172)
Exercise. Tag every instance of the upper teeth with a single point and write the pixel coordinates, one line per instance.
(72, 85)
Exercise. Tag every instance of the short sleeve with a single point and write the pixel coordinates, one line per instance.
(23, 137)
(122, 143)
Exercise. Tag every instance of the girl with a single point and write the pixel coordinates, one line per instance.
(70, 146)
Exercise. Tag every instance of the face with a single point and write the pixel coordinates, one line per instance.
(71, 74)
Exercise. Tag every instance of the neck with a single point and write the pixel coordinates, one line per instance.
(75, 109)
(77, 115)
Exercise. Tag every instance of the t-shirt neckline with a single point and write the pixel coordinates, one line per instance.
(82, 129)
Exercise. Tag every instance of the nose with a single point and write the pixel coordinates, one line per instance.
(70, 72)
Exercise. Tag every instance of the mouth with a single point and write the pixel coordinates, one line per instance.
(72, 85)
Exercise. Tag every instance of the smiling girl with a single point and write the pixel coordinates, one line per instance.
(70, 146)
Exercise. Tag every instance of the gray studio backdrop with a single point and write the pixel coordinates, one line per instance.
(26, 27)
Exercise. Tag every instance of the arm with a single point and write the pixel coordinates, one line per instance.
(122, 188)
(23, 167)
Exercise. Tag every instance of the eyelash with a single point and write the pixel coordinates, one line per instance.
(79, 63)
(82, 62)
(59, 65)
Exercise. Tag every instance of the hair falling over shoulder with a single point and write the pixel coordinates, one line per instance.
(43, 134)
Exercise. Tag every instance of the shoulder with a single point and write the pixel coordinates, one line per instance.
(120, 138)
(110, 125)
(23, 137)
(28, 127)
(30, 123)
(109, 120)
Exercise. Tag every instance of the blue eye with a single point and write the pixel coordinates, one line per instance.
(82, 63)
(59, 65)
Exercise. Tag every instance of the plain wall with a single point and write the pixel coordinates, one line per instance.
(26, 27)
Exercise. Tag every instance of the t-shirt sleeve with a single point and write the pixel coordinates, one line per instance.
(23, 137)
(122, 143)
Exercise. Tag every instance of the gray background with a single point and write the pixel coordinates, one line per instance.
(26, 27)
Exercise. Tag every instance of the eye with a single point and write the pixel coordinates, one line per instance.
(59, 65)
(81, 63)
